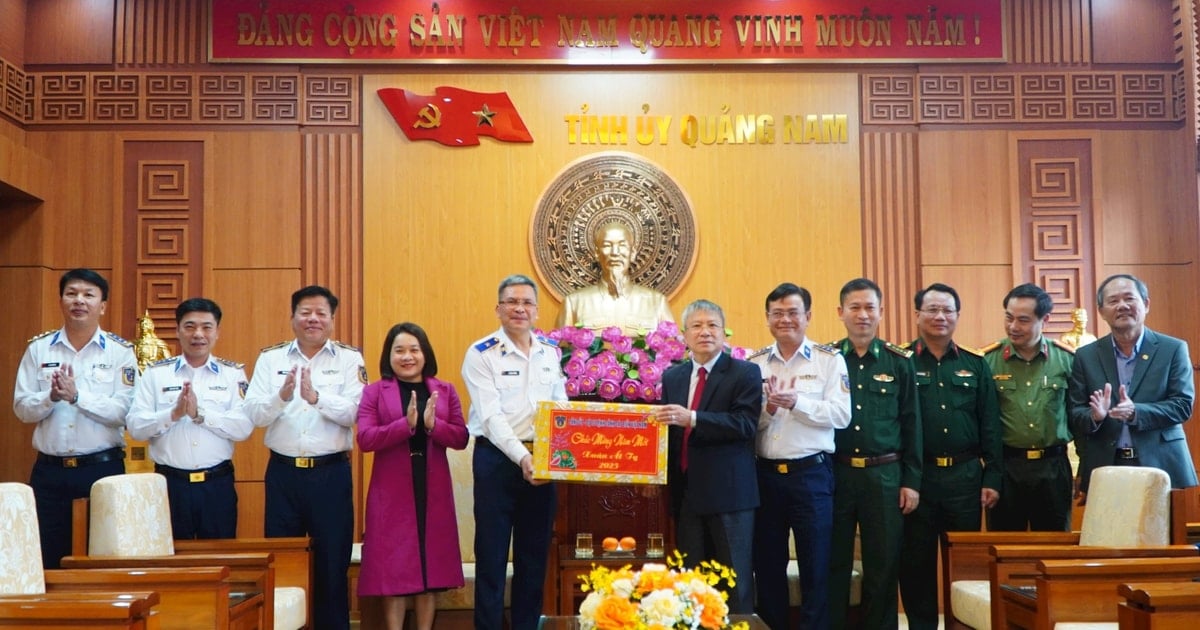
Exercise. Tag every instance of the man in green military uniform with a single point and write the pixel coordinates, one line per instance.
(1031, 375)
(961, 420)
(877, 471)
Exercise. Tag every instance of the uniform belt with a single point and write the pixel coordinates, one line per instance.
(785, 466)
(1127, 452)
(196, 476)
(98, 457)
(948, 461)
(1035, 453)
(310, 462)
(868, 462)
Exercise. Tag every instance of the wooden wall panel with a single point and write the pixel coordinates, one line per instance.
(1145, 186)
(29, 287)
(151, 32)
(891, 233)
(252, 505)
(1050, 31)
(12, 31)
(331, 235)
(162, 211)
(69, 32)
(964, 182)
(1054, 226)
(79, 212)
(1128, 32)
(258, 184)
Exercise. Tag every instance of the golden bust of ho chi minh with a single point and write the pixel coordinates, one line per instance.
(616, 300)
(1078, 335)
(147, 346)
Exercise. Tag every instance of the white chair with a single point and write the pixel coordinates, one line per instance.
(1128, 514)
(129, 525)
(24, 600)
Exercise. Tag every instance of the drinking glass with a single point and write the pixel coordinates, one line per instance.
(654, 546)
(583, 545)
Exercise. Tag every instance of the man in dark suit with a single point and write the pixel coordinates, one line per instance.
(1131, 390)
(712, 403)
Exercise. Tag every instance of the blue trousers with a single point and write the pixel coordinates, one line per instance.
(202, 510)
(509, 509)
(54, 488)
(799, 502)
(316, 502)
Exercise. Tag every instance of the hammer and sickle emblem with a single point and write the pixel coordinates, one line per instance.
(428, 118)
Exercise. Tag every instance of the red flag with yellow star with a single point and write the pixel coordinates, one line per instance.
(455, 117)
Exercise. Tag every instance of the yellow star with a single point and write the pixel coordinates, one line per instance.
(485, 116)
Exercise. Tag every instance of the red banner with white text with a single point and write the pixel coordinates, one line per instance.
(615, 32)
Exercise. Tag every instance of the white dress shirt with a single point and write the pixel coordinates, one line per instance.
(818, 375)
(505, 387)
(220, 387)
(105, 369)
(296, 428)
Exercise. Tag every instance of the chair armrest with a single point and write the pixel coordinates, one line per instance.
(59, 580)
(240, 560)
(1012, 538)
(1161, 594)
(1121, 569)
(78, 609)
(1068, 552)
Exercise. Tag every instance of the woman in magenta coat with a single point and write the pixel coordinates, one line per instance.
(409, 419)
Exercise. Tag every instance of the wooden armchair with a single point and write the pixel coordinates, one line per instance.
(30, 596)
(1127, 508)
(1069, 591)
(1159, 605)
(130, 528)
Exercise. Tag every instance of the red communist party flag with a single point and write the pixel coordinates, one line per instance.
(455, 117)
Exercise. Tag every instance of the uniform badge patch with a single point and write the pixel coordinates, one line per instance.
(127, 376)
(964, 373)
(242, 387)
(845, 382)
(362, 374)
(884, 378)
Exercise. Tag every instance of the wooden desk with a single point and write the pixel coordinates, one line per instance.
(570, 568)
(572, 622)
(1159, 605)
(1020, 606)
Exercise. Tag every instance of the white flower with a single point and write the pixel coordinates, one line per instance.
(622, 587)
(587, 610)
(662, 607)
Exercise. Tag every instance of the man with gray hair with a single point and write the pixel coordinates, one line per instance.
(712, 404)
(1131, 390)
(507, 373)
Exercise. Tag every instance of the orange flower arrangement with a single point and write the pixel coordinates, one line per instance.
(658, 597)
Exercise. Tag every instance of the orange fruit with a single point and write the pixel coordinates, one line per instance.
(610, 544)
(628, 543)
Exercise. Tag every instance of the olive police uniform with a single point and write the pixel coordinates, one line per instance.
(879, 453)
(960, 415)
(1036, 490)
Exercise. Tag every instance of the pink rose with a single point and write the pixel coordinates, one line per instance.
(574, 367)
(622, 345)
(648, 392)
(572, 387)
(587, 384)
(609, 390)
(611, 334)
(630, 389)
(636, 357)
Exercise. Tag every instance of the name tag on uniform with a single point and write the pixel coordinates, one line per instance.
(284, 372)
(328, 372)
(173, 388)
(511, 373)
(884, 378)
(51, 365)
(922, 373)
(964, 373)
(1002, 377)
(806, 377)
(102, 366)
(218, 388)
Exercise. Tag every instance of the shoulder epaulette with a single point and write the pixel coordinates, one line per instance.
(41, 335)
(907, 354)
(165, 361)
(227, 363)
(991, 347)
(758, 353)
(487, 343)
(545, 340)
(1063, 346)
(827, 349)
(347, 346)
(277, 346)
(117, 338)
(978, 353)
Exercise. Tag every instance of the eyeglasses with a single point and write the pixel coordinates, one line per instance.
(934, 311)
(793, 313)
(513, 303)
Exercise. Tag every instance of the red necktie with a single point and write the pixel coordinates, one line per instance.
(701, 377)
